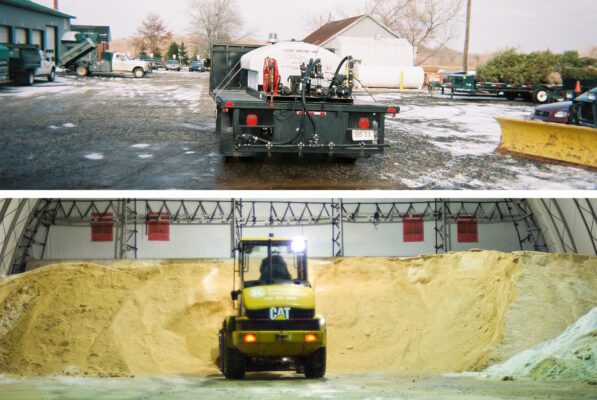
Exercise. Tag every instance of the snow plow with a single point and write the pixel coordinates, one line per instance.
(276, 328)
(565, 143)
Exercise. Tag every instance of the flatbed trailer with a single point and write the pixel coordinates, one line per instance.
(250, 122)
(460, 84)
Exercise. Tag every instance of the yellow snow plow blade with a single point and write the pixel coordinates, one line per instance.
(567, 143)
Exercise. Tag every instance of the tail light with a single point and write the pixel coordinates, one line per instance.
(364, 123)
(310, 338)
(392, 110)
(250, 338)
(252, 120)
(229, 104)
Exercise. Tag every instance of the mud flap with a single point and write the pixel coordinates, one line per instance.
(566, 143)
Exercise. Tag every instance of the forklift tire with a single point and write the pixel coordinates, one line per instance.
(231, 362)
(315, 364)
(541, 95)
(139, 73)
(82, 71)
(52, 76)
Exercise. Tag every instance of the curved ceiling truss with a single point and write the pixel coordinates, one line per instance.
(25, 223)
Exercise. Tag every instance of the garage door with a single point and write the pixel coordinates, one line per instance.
(4, 34)
(51, 41)
(37, 37)
(21, 36)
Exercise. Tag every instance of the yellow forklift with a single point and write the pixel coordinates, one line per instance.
(276, 328)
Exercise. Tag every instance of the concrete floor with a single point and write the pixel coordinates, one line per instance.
(114, 132)
(288, 386)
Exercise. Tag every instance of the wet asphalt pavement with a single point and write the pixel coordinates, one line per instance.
(157, 133)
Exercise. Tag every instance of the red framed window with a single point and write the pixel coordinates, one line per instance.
(413, 228)
(158, 227)
(102, 227)
(468, 229)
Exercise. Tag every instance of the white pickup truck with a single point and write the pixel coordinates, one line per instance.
(116, 63)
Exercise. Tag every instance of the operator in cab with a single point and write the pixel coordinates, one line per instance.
(279, 269)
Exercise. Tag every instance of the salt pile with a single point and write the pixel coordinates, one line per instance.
(570, 356)
(422, 315)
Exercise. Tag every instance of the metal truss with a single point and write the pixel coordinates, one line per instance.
(560, 225)
(589, 219)
(130, 214)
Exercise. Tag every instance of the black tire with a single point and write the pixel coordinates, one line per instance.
(82, 71)
(234, 363)
(315, 364)
(52, 76)
(511, 96)
(541, 95)
(27, 78)
(138, 72)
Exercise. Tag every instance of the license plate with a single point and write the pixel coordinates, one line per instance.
(360, 135)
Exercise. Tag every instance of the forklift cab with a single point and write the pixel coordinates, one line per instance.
(270, 261)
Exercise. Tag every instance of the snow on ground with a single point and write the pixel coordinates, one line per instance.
(570, 356)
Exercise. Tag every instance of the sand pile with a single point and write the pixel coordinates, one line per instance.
(570, 356)
(454, 312)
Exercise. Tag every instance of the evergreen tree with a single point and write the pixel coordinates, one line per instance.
(183, 54)
(173, 50)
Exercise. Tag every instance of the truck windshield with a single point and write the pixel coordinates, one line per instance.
(270, 262)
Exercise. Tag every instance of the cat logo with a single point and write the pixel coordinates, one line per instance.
(279, 313)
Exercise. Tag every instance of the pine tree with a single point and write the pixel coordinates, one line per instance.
(183, 54)
(173, 50)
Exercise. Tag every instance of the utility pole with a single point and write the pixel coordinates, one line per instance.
(467, 39)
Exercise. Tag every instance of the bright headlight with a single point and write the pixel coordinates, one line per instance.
(561, 114)
(298, 245)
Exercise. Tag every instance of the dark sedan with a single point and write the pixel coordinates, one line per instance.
(554, 112)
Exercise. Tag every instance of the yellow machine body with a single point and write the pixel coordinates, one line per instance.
(565, 143)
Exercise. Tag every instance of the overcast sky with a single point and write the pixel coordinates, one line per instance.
(497, 24)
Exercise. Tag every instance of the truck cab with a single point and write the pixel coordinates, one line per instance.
(275, 328)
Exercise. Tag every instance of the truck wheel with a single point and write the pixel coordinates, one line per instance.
(82, 71)
(315, 364)
(27, 78)
(139, 73)
(52, 76)
(540, 95)
(234, 363)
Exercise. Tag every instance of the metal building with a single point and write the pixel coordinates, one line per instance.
(26, 22)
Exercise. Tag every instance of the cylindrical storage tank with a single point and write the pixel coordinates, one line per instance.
(290, 56)
(390, 76)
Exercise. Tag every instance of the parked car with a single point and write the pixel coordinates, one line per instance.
(554, 112)
(173, 65)
(197, 66)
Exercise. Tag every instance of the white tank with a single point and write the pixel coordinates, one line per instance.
(290, 56)
(389, 76)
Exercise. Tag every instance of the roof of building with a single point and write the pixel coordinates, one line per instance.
(29, 5)
(333, 28)
(102, 30)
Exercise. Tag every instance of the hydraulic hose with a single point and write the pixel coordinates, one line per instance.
(338, 70)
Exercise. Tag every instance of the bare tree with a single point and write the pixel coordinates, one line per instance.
(313, 22)
(426, 24)
(152, 35)
(214, 21)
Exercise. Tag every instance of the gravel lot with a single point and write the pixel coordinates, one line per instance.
(113, 132)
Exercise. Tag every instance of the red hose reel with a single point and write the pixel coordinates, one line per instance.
(271, 76)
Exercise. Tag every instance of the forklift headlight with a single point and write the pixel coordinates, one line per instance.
(298, 245)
